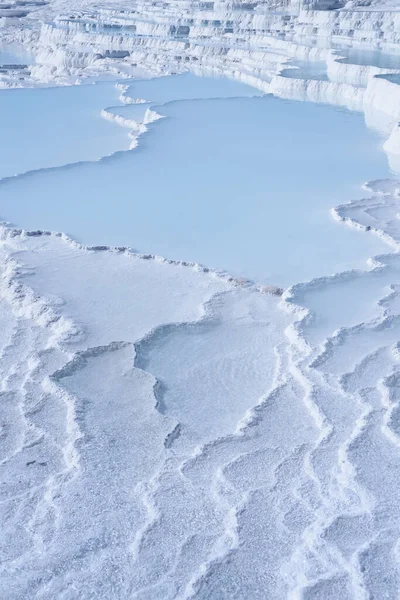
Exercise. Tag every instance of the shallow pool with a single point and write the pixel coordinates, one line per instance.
(48, 127)
(376, 58)
(15, 54)
(237, 183)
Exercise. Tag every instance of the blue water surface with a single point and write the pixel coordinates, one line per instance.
(238, 183)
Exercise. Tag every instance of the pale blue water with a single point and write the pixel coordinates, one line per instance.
(50, 127)
(306, 70)
(180, 87)
(376, 58)
(15, 54)
(131, 111)
(189, 87)
(393, 78)
(243, 184)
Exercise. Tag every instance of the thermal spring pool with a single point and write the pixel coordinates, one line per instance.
(49, 127)
(228, 178)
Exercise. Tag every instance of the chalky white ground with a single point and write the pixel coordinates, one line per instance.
(170, 432)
